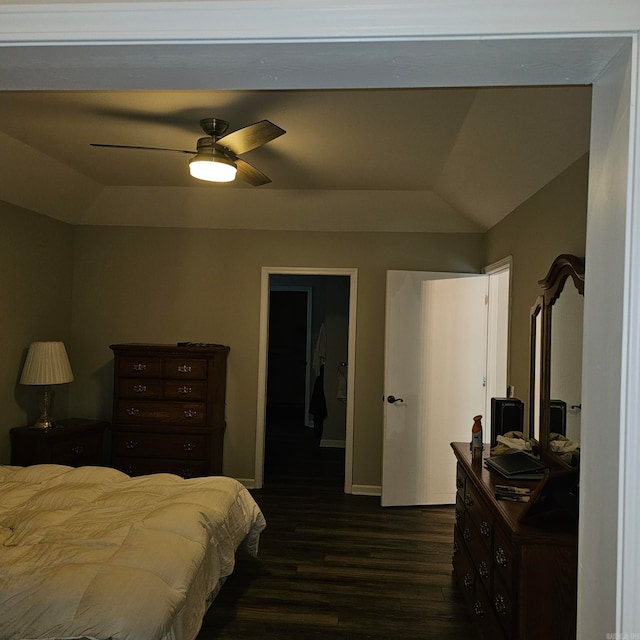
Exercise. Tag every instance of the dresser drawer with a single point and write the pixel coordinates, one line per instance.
(159, 445)
(480, 514)
(503, 605)
(463, 567)
(79, 450)
(185, 368)
(145, 466)
(134, 388)
(503, 557)
(481, 558)
(144, 367)
(151, 389)
(185, 390)
(179, 413)
(484, 615)
(484, 571)
(459, 513)
(461, 478)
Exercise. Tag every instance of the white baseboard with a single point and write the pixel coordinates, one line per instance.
(366, 490)
(333, 444)
(356, 489)
(249, 483)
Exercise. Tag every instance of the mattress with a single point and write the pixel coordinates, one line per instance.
(89, 552)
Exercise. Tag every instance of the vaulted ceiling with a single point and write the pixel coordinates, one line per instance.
(444, 160)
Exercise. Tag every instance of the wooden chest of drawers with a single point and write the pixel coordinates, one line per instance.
(73, 441)
(518, 579)
(168, 409)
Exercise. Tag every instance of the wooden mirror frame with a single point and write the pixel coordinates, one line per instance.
(535, 365)
(563, 267)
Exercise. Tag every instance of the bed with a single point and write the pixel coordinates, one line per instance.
(89, 552)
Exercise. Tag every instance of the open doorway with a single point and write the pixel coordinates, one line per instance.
(307, 364)
(305, 393)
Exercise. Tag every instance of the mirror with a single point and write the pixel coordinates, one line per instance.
(556, 360)
(565, 375)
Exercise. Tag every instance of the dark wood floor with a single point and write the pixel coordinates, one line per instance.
(334, 566)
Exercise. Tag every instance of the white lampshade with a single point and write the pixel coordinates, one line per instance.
(46, 363)
(213, 168)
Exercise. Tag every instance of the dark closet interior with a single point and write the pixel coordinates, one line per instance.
(301, 310)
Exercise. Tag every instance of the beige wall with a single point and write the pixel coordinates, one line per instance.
(36, 256)
(551, 222)
(168, 285)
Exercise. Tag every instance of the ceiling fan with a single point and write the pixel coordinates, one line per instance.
(216, 158)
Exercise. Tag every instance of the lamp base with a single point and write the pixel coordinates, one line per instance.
(43, 423)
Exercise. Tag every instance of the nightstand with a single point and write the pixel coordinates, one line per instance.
(73, 441)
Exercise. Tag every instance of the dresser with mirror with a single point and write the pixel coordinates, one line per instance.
(516, 562)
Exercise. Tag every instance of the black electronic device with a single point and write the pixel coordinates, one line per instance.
(558, 417)
(507, 414)
(514, 465)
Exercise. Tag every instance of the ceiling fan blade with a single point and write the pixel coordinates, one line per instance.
(250, 137)
(127, 146)
(250, 174)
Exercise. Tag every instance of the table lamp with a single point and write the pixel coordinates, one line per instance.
(46, 364)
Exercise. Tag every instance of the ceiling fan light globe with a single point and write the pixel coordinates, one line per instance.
(212, 169)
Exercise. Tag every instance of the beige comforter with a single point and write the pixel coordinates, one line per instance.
(90, 552)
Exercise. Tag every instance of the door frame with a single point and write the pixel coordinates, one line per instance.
(352, 273)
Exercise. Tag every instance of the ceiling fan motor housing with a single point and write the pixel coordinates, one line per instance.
(208, 146)
(214, 127)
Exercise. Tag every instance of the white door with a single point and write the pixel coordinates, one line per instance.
(435, 367)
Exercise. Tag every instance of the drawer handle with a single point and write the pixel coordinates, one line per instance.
(468, 500)
(458, 515)
(77, 449)
(501, 557)
(478, 610)
(466, 534)
(190, 413)
(186, 472)
(139, 366)
(184, 390)
(456, 548)
(500, 604)
(132, 411)
(483, 570)
(188, 446)
(184, 368)
(129, 470)
(140, 388)
(131, 444)
(468, 580)
(459, 484)
(485, 529)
